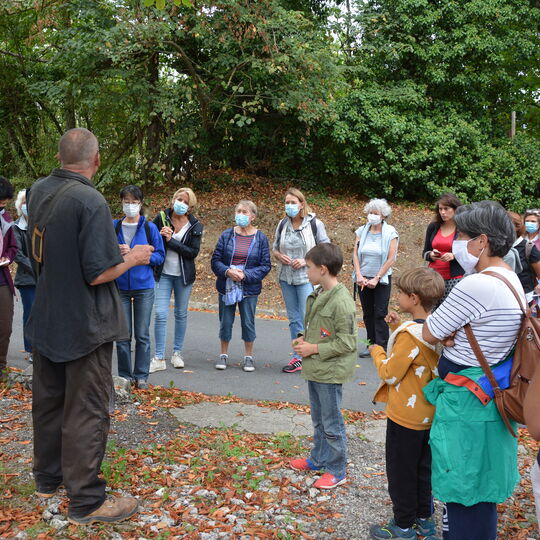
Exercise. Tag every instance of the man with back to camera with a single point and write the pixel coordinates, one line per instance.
(76, 317)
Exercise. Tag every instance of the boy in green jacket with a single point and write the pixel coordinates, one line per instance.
(328, 347)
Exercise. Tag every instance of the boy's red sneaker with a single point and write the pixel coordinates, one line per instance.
(329, 481)
(303, 464)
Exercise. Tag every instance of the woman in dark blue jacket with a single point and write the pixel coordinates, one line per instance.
(240, 261)
(136, 285)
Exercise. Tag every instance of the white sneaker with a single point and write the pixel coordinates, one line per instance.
(221, 362)
(176, 360)
(157, 364)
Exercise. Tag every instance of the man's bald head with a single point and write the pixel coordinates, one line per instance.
(78, 148)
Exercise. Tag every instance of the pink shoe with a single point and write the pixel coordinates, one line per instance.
(329, 481)
(302, 464)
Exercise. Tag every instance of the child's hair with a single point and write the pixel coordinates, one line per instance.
(328, 255)
(425, 282)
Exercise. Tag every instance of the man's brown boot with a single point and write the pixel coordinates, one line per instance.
(112, 510)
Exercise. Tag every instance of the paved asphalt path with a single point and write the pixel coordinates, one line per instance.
(267, 382)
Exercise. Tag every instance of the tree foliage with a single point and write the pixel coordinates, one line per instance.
(402, 98)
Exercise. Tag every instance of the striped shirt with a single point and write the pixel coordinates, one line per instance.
(492, 310)
(243, 243)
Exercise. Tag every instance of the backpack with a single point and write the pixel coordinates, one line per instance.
(526, 360)
(118, 226)
(312, 223)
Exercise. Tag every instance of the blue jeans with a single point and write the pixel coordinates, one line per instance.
(138, 309)
(164, 289)
(329, 437)
(295, 297)
(28, 294)
(247, 318)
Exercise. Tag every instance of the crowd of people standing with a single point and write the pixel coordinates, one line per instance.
(101, 278)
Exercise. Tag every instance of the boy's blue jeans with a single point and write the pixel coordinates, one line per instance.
(329, 438)
(164, 289)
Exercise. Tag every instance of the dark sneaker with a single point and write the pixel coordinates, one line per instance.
(141, 385)
(425, 526)
(391, 530)
(248, 364)
(303, 464)
(221, 363)
(294, 365)
(112, 510)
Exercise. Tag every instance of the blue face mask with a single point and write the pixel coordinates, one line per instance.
(292, 210)
(241, 220)
(531, 226)
(24, 210)
(180, 208)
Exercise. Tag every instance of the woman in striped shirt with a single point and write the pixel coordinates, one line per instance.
(240, 261)
(474, 456)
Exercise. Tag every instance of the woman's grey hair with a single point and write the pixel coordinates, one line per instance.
(491, 219)
(250, 205)
(378, 204)
(21, 196)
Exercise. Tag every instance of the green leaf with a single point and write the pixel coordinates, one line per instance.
(160, 4)
(148, 3)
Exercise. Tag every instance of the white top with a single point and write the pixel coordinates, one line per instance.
(370, 255)
(171, 266)
(492, 310)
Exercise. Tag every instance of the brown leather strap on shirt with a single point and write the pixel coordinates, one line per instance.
(489, 374)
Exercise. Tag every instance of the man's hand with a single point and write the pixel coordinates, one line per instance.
(140, 255)
(124, 249)
(393, 318)
(303, 348)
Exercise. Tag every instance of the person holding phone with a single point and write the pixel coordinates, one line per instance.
(440, 235)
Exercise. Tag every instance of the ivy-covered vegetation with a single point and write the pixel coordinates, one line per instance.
(396, 98)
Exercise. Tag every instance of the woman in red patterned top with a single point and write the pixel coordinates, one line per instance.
(440, 235)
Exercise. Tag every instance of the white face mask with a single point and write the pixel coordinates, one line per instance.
(467, 260)
(131, 209)
(374, 219)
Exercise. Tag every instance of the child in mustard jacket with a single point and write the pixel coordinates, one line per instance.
(409, 364)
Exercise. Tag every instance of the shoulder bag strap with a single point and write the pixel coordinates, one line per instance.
(489, 374)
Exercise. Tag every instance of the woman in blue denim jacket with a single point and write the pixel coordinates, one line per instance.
(241, 260)
(136, 285)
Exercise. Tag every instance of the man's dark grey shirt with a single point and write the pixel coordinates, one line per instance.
(70, 318)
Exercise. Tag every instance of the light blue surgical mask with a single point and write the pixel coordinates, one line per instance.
(292, 210)
(241, 220)
(24, 210)
(180, 208)
(531, 227)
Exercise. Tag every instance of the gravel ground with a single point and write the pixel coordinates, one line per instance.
(344, 513)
